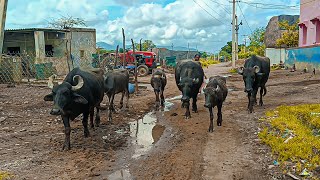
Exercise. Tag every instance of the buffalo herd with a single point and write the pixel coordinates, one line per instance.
(83, 90)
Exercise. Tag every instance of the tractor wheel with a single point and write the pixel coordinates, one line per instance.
(143, 70)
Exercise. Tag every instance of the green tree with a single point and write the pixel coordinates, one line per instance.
(257, 46)
(227, 48)
(65, 22)
(146, 45)
(290, 37)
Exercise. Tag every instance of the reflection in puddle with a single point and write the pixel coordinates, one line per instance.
(145, 133)
(123, 174)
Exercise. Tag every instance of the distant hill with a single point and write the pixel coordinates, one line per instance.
(113, 47)
(177, 48)
(106, 46)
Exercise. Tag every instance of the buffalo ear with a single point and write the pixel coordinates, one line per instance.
(240, 70)
(48, 97)
(79, 99)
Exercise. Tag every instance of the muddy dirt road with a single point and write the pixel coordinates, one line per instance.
(161, 145)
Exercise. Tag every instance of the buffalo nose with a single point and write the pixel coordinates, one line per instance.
(247, 90)
(55, 112)
(207, 105)
(184, 99)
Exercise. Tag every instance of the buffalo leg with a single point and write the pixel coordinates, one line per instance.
(111, 106)
(250, 104)
(211, 120)
(127, 94)
(261, 93)
(67, 130)
(97, 120)
(91, 116)
(157, 99)
(85, 124)
(219, 114)
(162, 98)
(188, 115)
(194, 104)
(121, 100)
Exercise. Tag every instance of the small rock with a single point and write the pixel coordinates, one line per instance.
(174, 114)
(2, 119)
(271, 166)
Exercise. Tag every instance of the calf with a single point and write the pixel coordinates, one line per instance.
(158, 82)
(116, 81)
(189, 78)
(215, 94)
(80, 92)
(255, 75)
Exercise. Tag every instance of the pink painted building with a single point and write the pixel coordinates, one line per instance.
(309, 26)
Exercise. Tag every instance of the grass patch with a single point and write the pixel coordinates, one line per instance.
(207, 62)
(5, 175)
(293, 133)
(233, 70)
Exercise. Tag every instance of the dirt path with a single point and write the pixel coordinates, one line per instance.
(31, 139)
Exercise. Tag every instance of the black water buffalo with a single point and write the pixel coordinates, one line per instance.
(189, 78)
(116, 81)
(215, 93)
(255, 74)
(80, 92)
(158, 82)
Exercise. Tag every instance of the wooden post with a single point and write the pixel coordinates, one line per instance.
(116, 58)
(124, 49)
(135, 69)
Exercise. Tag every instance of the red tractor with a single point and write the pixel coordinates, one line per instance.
(146, 61)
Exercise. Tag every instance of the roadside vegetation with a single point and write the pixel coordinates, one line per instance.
(5, 175)
(293, 133)
(207, 62)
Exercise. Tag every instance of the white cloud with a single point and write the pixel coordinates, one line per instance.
(180, 22)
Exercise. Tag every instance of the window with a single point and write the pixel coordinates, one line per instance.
(13, 50)
(49, 50)
(81, 53)
(304, 35)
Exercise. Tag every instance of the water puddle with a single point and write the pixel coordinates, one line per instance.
(146, 132)
(123, 174)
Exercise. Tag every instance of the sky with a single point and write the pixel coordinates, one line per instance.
(204, 24)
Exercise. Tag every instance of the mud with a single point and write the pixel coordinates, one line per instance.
(144, 142)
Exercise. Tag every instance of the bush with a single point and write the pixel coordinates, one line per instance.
(293, 134)
(207, 62)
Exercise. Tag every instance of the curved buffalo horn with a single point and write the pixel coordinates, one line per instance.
(240, 70)
(80, 83)
(256, 69)
(180, 79)
(50, 81)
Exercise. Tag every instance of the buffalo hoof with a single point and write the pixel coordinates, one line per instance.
(97, 120)
(187, 116)
(211, 129)
(219, 124)
(86, 134)
(66, 147)
(260, 103)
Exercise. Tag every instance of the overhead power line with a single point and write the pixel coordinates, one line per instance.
(208, 12)
(244, 18)
(212, 9)
(223, 6)
(270, 6)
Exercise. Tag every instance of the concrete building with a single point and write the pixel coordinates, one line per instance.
(309, 26)
(67, 47)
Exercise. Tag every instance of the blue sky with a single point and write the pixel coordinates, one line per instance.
(204, 24)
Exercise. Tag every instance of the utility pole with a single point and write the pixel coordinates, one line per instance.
(172, 49)
(237, 34)
(3, 12)
(233, 34)
(245, 42)
(188, 51)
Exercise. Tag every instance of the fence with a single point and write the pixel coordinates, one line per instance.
(21, 67)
